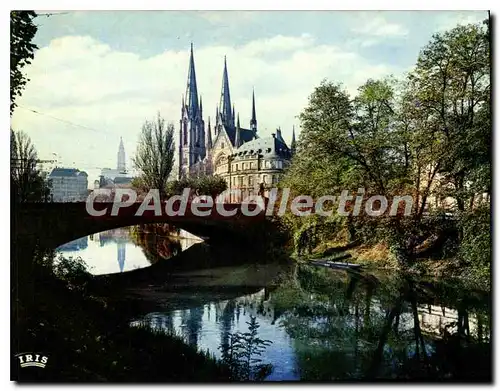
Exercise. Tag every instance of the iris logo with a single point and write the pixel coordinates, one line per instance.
(32, 360)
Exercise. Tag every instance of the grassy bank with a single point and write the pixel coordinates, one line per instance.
(89, 339)
(378, 256)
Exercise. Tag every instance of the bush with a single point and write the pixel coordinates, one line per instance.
(201, 185)
(475, 246)
(241, 353)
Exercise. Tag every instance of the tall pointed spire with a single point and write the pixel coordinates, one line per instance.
(233, 117)
(121, 157)
(225, 99)
(237, 139)
(209, 136)
(216, 119)
(293, 145)
(253, 121)
(201, 108)
(192, 89)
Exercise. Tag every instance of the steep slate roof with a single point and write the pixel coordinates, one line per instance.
(268, 147)
(246, 135)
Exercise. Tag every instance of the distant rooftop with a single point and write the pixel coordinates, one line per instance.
(120, 180)
(66, 172)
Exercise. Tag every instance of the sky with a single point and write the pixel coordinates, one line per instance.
(98, 75)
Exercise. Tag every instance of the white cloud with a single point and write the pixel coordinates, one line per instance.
(451, 20)
(228, 17)
(278, 43)
(82, 80)
(376, 25)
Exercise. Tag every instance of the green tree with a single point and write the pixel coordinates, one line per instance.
(201, 185)
(154, 158)
(211, 185)
(351, 144)
(426, 136)
(27, 183)
(22, 32)
(451, 88)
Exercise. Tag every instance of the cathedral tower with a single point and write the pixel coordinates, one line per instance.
(226, 113)
(192, 127)
(121, 166)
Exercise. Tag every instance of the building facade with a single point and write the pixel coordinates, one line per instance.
(68, 185)
(246, 161)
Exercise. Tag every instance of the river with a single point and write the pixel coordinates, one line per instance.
(321, 324)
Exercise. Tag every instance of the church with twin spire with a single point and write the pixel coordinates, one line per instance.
(243, 159)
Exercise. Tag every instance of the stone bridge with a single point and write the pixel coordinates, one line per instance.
(53, 224)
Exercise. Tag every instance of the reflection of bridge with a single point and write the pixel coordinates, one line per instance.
(53, 224)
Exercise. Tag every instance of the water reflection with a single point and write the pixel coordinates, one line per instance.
(330, 325)
(129, 248)
(208, 326)
(75, 245)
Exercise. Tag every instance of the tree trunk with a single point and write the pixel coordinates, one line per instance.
(377, 357)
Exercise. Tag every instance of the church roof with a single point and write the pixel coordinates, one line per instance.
(267, 146)
(246, 135)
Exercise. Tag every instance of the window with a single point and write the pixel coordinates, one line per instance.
(250, 180)
(252, 165)
(242, 166)
(264, 179)
(236, 167)
(240, 181)
(222, 145)
(275, 179)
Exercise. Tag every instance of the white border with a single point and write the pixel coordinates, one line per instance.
(193, 5)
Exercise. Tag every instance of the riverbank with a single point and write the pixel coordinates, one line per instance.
(87, 338)
(378, 256)
(119, 327)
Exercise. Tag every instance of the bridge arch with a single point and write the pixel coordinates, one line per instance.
(53, 224)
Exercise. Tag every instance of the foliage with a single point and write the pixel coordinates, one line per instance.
(241, 353)
(22, 32)
(72, 270)
(201, 185)
(88, 336)
(475, 247)
(451, 86)
(156, 241)
(27, 183)
(154, 158)
(212, 185)
(139, 185)
(427, 136)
